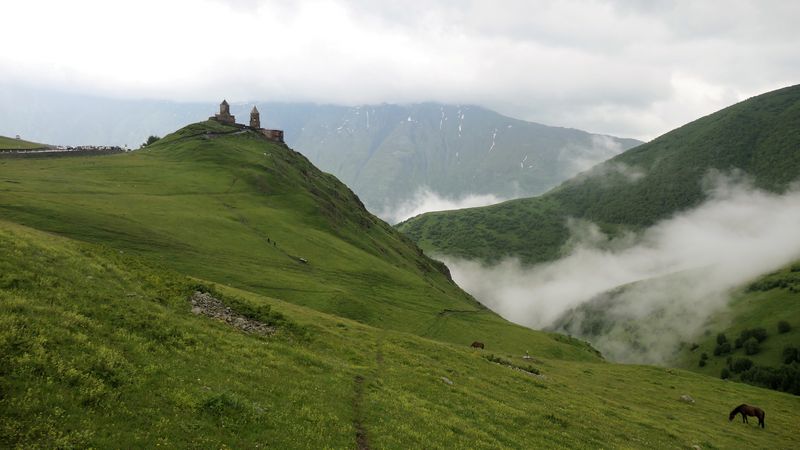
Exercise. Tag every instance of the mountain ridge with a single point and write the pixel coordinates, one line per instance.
(668, 177)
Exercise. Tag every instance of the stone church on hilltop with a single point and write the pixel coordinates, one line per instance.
(227, 118)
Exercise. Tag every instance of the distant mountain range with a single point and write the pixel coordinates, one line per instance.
(388, 154)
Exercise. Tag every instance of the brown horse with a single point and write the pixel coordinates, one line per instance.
(747, 410)
(477, 344)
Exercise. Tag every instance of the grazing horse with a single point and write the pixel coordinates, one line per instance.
(477, 344)
(747, 410)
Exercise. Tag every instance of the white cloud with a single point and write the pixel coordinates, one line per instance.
(426, 200)
(612, 172)
(601, 149)
(617, 67)
(684, 268)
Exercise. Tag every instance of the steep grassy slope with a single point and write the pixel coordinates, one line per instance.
(231, 207)
(759, 136)
(7, 143)
(99, 349)
(763, 305)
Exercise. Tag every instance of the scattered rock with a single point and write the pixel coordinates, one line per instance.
(528, 357)
(447, 381)
(696, 447)
(686, 399)
(207, 305)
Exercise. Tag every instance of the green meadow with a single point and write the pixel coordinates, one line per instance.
(99, 349)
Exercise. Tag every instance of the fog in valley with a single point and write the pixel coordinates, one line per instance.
(684, 269)
(426, 200)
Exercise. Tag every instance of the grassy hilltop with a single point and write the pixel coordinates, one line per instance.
(233, 208)
(374, 149)
(100, 349)
(633, 190)
(7, 143)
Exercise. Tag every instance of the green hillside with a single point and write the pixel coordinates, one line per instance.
(230, 207)
(636, 189)
(386, 153)
(7, 143)
(100, 349)
(759, 323)
(763, 305)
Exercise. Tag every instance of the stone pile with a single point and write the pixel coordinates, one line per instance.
(207, 305)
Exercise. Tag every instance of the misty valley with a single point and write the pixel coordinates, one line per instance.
(657, 250)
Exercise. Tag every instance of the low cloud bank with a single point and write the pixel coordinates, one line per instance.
(426, 200)
(582, 158)
(610, 172)
(682, 268)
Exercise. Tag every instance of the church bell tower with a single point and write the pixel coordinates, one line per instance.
(255, 119)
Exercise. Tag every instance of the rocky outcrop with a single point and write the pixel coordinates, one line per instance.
(210, 306)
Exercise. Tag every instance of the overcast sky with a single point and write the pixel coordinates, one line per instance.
(629, 68)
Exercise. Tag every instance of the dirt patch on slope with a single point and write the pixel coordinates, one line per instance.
(210, 306)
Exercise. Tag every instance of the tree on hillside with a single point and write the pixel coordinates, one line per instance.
(721, 339)
(784, 327)
(790, 355)
(722, 349)
(759, 333)
(741, 364)
(150, 139)
(751, 346)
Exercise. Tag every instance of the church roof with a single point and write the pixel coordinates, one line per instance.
(254, 110)
(224, 102)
